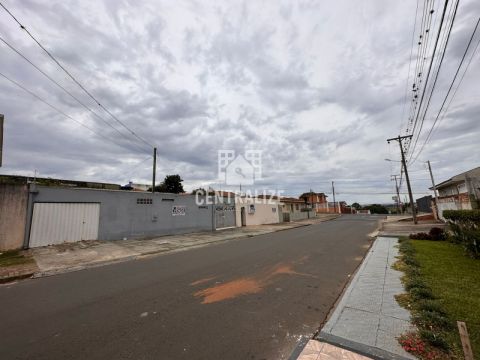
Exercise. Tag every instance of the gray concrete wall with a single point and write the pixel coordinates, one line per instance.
(13, 211)
(300, 215)
(121, 216)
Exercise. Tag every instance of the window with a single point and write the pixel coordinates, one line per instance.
(144, 201)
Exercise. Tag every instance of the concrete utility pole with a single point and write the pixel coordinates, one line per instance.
(334, 202)
(434, 189)
(154, 168)
(404, 163)
(1, 139)
(398, 193)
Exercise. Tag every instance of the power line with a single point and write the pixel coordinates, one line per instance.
(55, 108)
(421, 60)
(133, 169)
(436, 78)
(74, 79)
(458, 86)
(451, 84)
(65, 90)
(429, 68)
(409, 66)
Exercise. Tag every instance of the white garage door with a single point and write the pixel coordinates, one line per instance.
(55, 223)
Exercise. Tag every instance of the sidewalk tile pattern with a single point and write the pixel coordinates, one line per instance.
(368, 312)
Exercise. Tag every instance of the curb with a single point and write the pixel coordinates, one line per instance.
(47, 273)
(7, 279)
(299, 348)
(362, 349)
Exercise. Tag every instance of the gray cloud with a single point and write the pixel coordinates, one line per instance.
(317, 87)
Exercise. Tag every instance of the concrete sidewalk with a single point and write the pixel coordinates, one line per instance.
(67, 257)
(367, 320)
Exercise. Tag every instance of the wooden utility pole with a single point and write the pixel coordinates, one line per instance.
(398, 193)
(434, 189)
(404, 163)
(154, 168)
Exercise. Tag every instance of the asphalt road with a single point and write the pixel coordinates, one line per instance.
(244, 299)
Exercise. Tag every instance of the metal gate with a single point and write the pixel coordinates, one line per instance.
(55, 223)
(224, 216)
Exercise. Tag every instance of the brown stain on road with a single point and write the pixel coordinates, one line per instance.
(246, 285)
(229, 290)
(202, 281)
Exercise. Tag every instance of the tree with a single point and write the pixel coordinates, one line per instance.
(202, 191)
(356, 206)
(376, 209)
(171, 184)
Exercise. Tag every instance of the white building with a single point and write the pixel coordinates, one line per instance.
(257, 211)
(461, 192)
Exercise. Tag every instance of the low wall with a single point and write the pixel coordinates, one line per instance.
(13, 211)
(134, 214)
(455, 202)
(301, 215)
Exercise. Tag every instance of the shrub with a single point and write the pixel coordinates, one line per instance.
(465, 226)
(431, 320)
(430, 305)
(414, 282)
(427, 314)
(462, 215)
(435, 233)
(421, 293)
(411, 261)
(420, 236)
(434, 339)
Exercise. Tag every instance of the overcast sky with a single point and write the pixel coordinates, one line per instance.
(317, 86)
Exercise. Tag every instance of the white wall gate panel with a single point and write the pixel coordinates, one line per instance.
(55, 223)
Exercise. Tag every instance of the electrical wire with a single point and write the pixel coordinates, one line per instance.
(133, 169)
(430, 65)
(435, 81)
(74, 79)
(451, 84)
(409, 66)
(57, 109)
(421, 59)
(67, 92)
(458, 86)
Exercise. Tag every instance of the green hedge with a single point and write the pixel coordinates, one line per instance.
(462, 215)
(465, 226)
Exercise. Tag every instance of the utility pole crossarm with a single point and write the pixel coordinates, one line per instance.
(399, 138)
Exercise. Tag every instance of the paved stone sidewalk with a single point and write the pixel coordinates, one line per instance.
(368, 315)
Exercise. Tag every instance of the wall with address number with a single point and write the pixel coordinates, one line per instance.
(130, 214)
